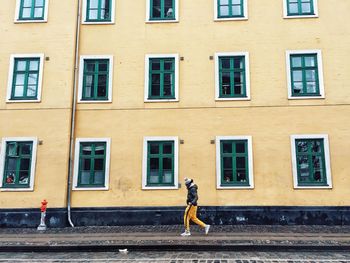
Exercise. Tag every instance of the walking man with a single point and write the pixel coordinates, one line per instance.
(191, 209)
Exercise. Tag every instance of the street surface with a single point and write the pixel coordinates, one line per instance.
(179, 257)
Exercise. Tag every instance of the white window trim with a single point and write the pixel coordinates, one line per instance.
(319, 68)
(245, 12)
(76, 164)
(176, 162)
(217, 75)
(17, 20)
(83, 21)
(10, 76)
(32, 167)
(285, 11)
(250, 162)
(81, 76)
(148, 14)
(176, 84)
(327, 160)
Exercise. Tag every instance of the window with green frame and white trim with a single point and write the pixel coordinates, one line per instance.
(161, 77)
(305, 74)
(31, 11)
(91, 164)
(25, 78)
(232, 81)
(234, 162)
(300, 8)
(162, 11)
(160, 163)
(231, 9)
(17, 163)
(311, 161)
(98, 11)
(95, 79)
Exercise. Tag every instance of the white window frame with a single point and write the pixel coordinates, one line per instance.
(84, 8)
(32, 167)
(176, 84)
(250, 161)
(319, 68)
(17, 20)
(81, 78)
(10, 76)
(217, 75)
(245, 12)
(326, 157)
(285, 11)
(76, 164)
(175, 139)
(148, 14)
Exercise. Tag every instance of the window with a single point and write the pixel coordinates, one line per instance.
(31, 10)
(98, 11)
(230, 9)
(91, 170)
(160, 163)
(232, 76)
(300, 8)
(311, 161)
(234, 162)
(17, 163)
(162, 11)
(305, 77)
(25, 77)
(95, 79)
(161, 82)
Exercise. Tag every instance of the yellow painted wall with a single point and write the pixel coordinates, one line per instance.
(269, 117)
(48, 120)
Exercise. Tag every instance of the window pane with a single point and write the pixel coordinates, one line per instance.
(23, 177)
(302, 147)
(89, 91)
(26, 148)
(102, 86)
(87, 150)
(93, 14)
(167, 163)
(297, 87)
(240, 147)
(34, 65)
(99, 164)
(90, 66)
(228, 176)
(303, 163)
(296, 61)
(26, 12)
(32, 79)
(24, 165)
(167, 90)
(168, 65)
(167, 177)
(310, 75)
(155, 91)
(227, 147)
(227, 162)
(21, 65)
(100, 150)
(306, 7)
(86, 164)
(19, 91)
(293, 8)
(316, 146)
(31, 91)
(236, 10)
(240, 162)
(154, 148)
(38, 12)
(10, 177)
(297, 75)
(85, 177)
(311, 87)
(39, 2)
(103, 66)
(238, 63)
(93, 3)
(27, 3)
(154, 164)
(167, 148)
(19, 79)
(310, 61)
(156, 9)
(225, 63)
(98, 179)
(224, 10)
(226, 83)
(241, 176)
(11, 164)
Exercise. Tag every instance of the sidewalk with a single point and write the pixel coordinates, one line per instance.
(168, 238)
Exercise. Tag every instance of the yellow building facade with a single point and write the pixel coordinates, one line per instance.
(249, 99)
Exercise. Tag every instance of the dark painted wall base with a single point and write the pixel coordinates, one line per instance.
(216, 215)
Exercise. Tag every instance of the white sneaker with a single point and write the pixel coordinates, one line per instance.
(186, 233)
(207, 227)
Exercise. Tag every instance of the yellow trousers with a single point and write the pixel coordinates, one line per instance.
(191, 213)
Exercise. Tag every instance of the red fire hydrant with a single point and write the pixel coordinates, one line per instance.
(43, 207)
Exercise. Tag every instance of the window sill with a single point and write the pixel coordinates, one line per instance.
(98, 23)
(24, 101)
(300, 16)
(248, 187)
(162, 100)
(218, 19)
(161, 21)
(17, 189)
(30, 21)
(144, 187)
(105, 188)
(94, 101)
(307, 97)
(232, 99)
(313, 187)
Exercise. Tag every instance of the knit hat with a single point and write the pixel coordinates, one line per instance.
(188, 181)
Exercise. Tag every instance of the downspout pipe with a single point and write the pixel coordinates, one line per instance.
(73, 115)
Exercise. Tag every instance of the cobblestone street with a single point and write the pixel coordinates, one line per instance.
(179, 257)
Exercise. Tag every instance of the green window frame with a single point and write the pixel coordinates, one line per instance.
(161, 78)
(160, 163)
(304, 75)
(162, 9)
(234, 163)
(300, 7)
(25, 80)
(95, 79)
(32, 10)
(230, 8)
(98, 10)
(232, 77)
(92, 164)
(311, 163)
(18, 162)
